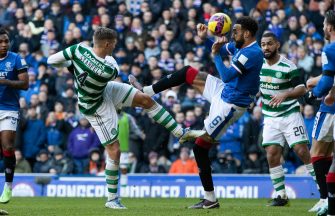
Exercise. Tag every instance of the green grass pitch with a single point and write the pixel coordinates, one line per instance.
(147, 207)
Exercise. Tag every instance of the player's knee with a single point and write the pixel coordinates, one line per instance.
(113, 150)
(8, 147)
(145, 101)
(302, 151)
(272, 153)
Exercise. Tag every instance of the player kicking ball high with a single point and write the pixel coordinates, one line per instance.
(229, 96)
(280, 87)
(99, 99)
(13, 78)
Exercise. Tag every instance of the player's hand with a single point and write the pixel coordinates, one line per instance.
(309, 97)
(277, 100)
(329, 100)
(218, 44)
(202, 31)
(311, 83)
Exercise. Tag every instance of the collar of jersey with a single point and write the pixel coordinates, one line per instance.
(1, 59)
(250, 44)
(95, 55)
(280, 58)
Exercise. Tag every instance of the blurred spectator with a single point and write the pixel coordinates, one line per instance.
(60, 163)
(151, 48)
(232, 140)
(305, 61)
(34, 85)
(170, 99)
(225, 163)
(34, 136)
(189, 101)
(43, 164)
(152, 142)
(22, 165)
(166, 63)
(253, 163)
(253, 128)
(80, 141)
(69, 100)
(184, 165)
(96, 162)
(54, 130)
(152, 167)
(276, 27)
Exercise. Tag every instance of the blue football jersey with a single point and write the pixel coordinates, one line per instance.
(328, 64)
(327, 109)
(328, 58)
(248, 61)
(10, 67)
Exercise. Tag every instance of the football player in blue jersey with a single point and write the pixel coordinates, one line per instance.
(323, 144)
(13, 78)
(229, 96)
(322, 89)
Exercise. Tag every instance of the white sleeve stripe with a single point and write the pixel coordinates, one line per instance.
(69, 53)
(301, 85)
(237, 68)
(228, 49)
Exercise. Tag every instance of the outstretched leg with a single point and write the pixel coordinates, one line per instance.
(163, 117)
(187, 75)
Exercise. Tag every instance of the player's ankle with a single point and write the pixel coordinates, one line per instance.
(148, 90)
(210, 195)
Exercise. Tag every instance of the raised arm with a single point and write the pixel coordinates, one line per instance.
(226, 74)
(227, 49)
(59, 60)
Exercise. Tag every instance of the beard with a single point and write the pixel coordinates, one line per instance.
(271, 55)
(239, 44)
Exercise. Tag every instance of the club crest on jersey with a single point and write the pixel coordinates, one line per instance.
(279, 74)
(8, 66)
(324, 58)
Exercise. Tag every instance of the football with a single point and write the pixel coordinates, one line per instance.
(219, 24)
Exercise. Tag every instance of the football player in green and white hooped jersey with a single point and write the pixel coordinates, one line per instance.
(99, 98)
(280, 87)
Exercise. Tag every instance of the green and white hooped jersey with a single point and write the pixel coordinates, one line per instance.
(276, 79)
(91, 75)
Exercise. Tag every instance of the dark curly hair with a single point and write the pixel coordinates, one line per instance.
(330, 18)
(248, 23)
(3, 31)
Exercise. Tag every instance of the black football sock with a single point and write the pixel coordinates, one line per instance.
(185, 75)
(9, 163)
(331, 193)
(204, 164)
(321, 167)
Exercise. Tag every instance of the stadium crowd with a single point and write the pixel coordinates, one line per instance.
(155, 38)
